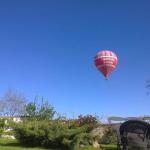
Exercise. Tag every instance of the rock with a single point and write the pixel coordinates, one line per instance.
(98, 132)
(81, 145)
(96, 144)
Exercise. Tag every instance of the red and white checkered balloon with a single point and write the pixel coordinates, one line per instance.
(106, 62)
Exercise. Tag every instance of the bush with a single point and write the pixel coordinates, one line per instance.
(52, 134)
(2, 126)
(109, 137)
(89, 120)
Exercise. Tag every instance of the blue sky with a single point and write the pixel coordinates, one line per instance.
(47, 49)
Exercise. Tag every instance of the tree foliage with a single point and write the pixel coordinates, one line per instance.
(42, 110)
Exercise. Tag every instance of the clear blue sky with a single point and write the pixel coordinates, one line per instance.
(47, 49)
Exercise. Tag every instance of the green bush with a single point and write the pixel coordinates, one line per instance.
(52, 134)
(2, 126)
(109, 137)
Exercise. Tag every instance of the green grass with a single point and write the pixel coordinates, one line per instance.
(103, 147)
(10, 144)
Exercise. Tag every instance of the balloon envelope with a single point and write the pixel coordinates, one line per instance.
(106, 61)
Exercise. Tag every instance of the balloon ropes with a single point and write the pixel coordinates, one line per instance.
(105, 61)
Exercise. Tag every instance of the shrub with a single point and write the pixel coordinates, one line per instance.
(109, 137)
(52, 134)
(2, 126)
(89, 120)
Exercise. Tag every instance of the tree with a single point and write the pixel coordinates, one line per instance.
(12, 104)
(30, 109)
(46, 110)
(42, 110)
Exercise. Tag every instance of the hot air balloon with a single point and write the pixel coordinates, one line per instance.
(105, 61)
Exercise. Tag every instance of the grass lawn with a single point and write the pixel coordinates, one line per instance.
(10, 144)
(104, 147)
